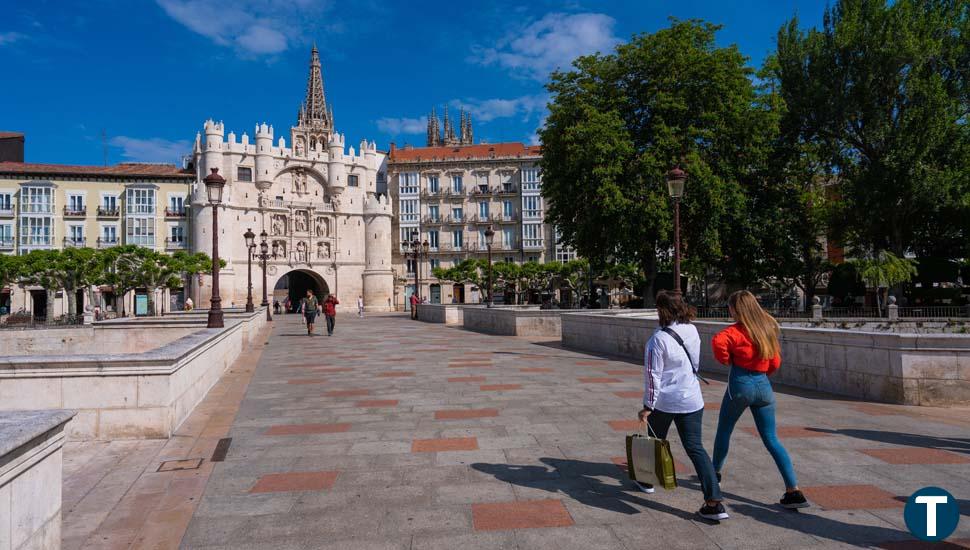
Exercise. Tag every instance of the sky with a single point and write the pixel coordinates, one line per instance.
(141, 76)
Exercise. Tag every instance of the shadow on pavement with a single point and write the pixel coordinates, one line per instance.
(911, 440)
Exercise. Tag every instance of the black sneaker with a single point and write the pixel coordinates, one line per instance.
(794, 500)
(713, 513)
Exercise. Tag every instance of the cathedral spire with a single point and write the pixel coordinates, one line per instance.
(314, 112)
(434, 131)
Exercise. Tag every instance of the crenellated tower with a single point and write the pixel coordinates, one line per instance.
(378, 277)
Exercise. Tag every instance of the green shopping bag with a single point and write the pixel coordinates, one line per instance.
(649, 460)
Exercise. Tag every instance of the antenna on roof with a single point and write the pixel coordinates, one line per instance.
(104, 145)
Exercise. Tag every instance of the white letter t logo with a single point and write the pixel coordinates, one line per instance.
(931, 502)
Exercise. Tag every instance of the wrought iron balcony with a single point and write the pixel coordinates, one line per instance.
(6, 243)
(506, 189)
(174, 244)
(107, 242)
(74, 243)
(75, 212)
(175, 212)
(108, 211)
(6, 210)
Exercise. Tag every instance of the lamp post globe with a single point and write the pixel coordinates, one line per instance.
(214, 185)
(676, 180)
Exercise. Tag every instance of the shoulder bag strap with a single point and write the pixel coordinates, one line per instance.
(680, 341)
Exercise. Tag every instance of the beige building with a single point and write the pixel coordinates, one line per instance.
(53, 206)
(450, 195)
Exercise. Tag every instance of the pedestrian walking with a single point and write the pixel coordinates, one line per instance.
(330, 312)
(360, 306)
(309, 307)
(287, 305)
(414, 306)
(751, 348)
(672, 393)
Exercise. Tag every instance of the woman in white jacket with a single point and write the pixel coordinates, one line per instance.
(672, 394)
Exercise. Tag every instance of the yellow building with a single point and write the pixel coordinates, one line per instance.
(53, 206)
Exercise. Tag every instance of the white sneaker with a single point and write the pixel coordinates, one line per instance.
(645, 487)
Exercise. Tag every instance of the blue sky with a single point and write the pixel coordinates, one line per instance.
(149, 73)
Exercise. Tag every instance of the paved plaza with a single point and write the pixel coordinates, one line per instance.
(395, 434)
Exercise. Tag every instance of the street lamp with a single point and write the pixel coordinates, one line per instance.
(250, 245)
(214, 185)
(264, 255)
(417, 250)
(676, 179)
(489, 237)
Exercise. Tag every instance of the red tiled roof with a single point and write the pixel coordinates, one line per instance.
(124, 169)
(4, 135)
(481, 151)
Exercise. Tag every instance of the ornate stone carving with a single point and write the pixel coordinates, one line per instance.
(302, 221)
(323, 250)
(323, 226)
(300, 147)
(280, 246)
(299, 181)
(279, 224)
(301, 252)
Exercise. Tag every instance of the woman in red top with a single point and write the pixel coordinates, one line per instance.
(752, 350)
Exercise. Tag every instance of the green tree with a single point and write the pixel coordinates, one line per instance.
(885, 270)
(617, 123)
(39, 267)
(880, 92)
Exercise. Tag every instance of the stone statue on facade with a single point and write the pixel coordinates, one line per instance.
(323, 250)
(299, 182)
(323, 227)
(279, 224)
(299, 148)
(301, 252)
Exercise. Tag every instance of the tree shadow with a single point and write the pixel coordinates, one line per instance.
(953, 444)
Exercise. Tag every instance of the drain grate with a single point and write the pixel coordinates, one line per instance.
(222, 449)
(175, 465)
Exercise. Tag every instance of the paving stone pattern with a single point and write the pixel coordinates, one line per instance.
(395, 434)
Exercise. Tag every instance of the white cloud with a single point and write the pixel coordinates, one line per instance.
(253, 27)
(484, 110)
(9, 37)
(536, 49)
(401, 126)
(151, 149)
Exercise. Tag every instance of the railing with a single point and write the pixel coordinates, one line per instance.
(532, 243)
(319, 206)
(6, 210)
(933, 311)
(433, 220)
(6, 243)
(70, 212)
(74, 243)
(171, 244)
(858, 311)
(175, 212)
(107, 242)
(452, 220)
(428, 194)
(108, 212)
(503, 218)
(479, 191)
(505, 190)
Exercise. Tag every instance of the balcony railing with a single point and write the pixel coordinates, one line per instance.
(480, 191)
(175, 212)
(108, 211)
(532, 244)
(6, 243)
(505, 190)
(74, 243)
(452, 220)
(107, 242)
(174, 244)
(6, 210)
(429, 194)
(432, 220)
(505, 218)
(75, 212)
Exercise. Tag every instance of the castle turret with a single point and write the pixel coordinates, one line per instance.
(264, 155)
(336, 170)
(378, 279)
(370, 159)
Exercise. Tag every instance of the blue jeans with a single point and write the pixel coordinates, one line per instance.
(689, 426)
(748, 389)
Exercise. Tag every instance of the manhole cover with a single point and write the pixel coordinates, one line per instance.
(175, 465)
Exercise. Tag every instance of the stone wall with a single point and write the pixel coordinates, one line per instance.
(449, 314)
(30, 478)
(515, 321)
(913, 369)
(128, 396)
(89, 339)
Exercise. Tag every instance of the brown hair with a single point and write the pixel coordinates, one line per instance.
(761, 326)
(672, 308)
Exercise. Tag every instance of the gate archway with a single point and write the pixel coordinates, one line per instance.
(294, 285)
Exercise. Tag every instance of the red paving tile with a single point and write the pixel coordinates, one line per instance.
(596, 380)
(307, 381)
(626, 425)
(789, 432)
(301, 429)
(470, 365)
(294, 481)
(626, 372)
(590, 363)
(712, 406)
(395, 374)
(334, 369)
(851, 497)
(875, 410)
(442, 445)
(915, 455)
(528, 514)
(537, 369)
(374, 403)
(500, 387)
(629, 394)
(467, 379)
(464, 414)
(347, 393)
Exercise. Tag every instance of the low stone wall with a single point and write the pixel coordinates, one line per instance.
(128, 396)
(31, 461)
(106, 340)
(449, 314)
(516, 320)
(912, 369)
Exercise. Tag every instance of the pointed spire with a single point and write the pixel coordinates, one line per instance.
(314, 111)
(432, 129)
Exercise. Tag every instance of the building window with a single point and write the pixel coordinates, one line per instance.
(410, 266)
(408, 234)
(457, 239)
(510, 259)
(409, 210)
(409, 183)
(534, 259)
(482, 182)
(483, 210)
(456, 184)
(352, 180)
(36, 200)
(457, 213)
(35, 231)
(176, 205)
(434, 263)
(6, 235)
(109, 234)
(177, 234)
(141, 201)
(532, 235)
(110, 203)
(6, 202)
(433, 239)
(531, 207)
(432, 184)
(433, 213)
(75, 203)
(507, 209)
(244, 174)
(508, 238)
(140, 231)
(530, 179)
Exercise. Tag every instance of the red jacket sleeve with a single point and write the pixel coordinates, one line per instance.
(721, 345)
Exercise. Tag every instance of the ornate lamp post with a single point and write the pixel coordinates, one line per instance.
(250, 247)
(489, 237)
(263, 256)
(417, 250)
(214, 184)
(676, 179)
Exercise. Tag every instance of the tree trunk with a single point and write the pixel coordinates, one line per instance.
(51, 296)
(71, 295)
(649, 267)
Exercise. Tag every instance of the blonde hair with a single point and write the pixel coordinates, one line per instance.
(761, 326)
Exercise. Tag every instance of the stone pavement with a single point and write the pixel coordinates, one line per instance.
(395, 434)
